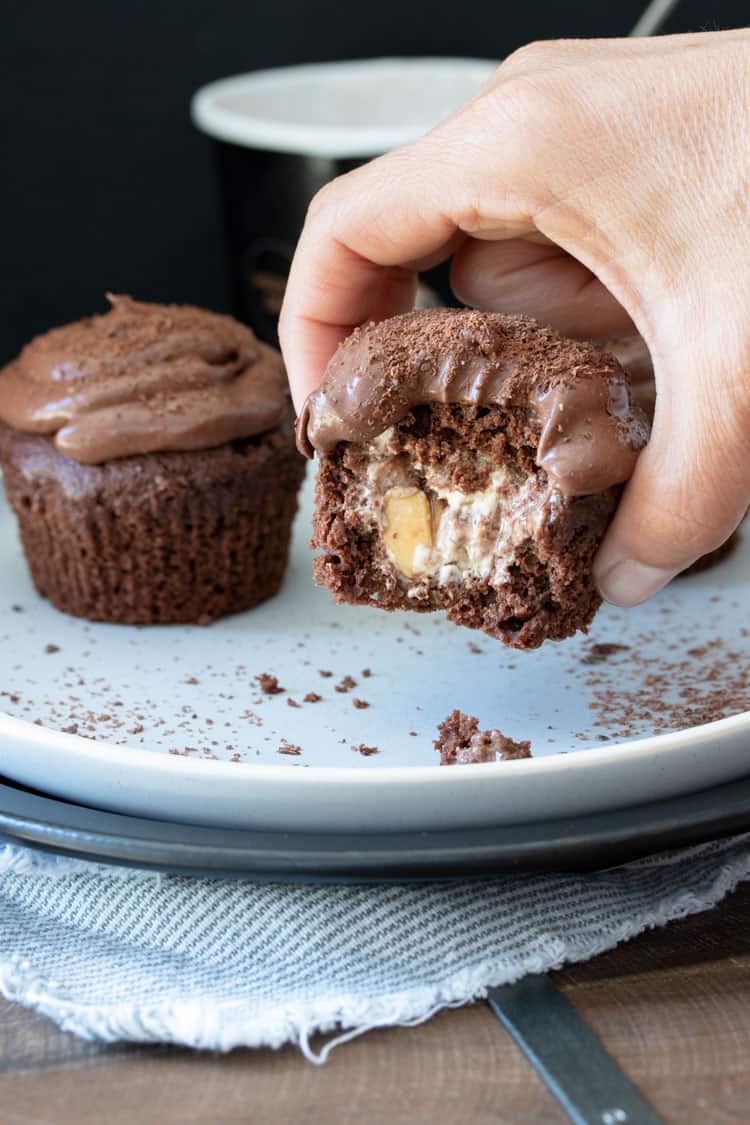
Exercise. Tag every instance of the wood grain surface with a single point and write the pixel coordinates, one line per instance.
(673, 1007)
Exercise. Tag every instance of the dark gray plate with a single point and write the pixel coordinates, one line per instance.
(571, 844)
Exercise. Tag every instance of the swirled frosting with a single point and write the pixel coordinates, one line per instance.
(590, 431)
(144, 378)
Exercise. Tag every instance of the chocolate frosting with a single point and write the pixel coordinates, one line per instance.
(590, 432)
(633, 356)
(144, 378)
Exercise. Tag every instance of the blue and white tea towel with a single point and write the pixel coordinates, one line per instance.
(118, 954)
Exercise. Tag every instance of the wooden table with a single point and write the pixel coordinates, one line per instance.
(672, 1007)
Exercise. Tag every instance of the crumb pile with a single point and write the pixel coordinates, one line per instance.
(700, 685)
(461, 743)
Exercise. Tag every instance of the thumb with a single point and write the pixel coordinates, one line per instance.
(690, 488)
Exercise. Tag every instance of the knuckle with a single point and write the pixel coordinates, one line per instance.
(469, 216)
(530, 56)
(549, 54)
(526, 111)
(532, 97)
(323, 200)
(331, 199)
(501, 155)
(527, 122)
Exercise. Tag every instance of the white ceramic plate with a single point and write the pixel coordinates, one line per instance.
(176, 726)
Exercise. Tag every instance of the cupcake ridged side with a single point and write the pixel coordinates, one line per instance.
(159, 538)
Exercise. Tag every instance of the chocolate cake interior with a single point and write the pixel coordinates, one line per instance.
(447, 509)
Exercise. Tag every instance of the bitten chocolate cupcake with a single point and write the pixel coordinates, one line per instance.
(149, 457)
(469, 462)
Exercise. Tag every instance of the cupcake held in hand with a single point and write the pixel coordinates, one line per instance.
(469, 462)
(149, 457)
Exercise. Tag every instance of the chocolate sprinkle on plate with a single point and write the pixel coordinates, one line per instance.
(269, 684)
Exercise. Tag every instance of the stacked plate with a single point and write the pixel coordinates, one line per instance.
(160, 746)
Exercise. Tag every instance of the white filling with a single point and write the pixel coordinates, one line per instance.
(474, 534)
(475, 529)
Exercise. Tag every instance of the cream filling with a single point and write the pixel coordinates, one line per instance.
(433, 533)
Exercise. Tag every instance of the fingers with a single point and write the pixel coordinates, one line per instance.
(540, 280)
(577, 139)
(309, 340)
(690, 489)
(349, 263)
(368, 233)
(486, 172)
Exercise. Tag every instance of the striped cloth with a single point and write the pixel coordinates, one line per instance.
(119, 954)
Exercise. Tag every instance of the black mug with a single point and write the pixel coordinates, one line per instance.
(280, 135)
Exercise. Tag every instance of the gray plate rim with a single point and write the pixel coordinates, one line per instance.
(586, 843)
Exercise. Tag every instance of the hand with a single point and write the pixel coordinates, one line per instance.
(596, 185)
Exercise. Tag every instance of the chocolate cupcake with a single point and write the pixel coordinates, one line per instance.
(469, 462)
(149, 457)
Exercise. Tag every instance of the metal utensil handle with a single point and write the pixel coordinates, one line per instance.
(567, 1055)
(564, 1051)
(654, 16)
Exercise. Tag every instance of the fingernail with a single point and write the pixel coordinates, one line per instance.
(628, 583)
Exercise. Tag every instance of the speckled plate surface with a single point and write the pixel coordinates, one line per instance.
(170, 722)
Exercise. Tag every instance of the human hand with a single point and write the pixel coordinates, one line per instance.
(595, 185)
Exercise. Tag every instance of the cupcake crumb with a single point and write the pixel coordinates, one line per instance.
(269, 684)
(289, 748)
(599, 653)
(461, 742)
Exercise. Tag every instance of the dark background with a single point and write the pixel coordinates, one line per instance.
(104, 182)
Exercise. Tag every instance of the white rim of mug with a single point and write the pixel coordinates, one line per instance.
(213, 116)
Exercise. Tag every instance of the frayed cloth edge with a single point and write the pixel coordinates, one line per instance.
(222, 1025)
